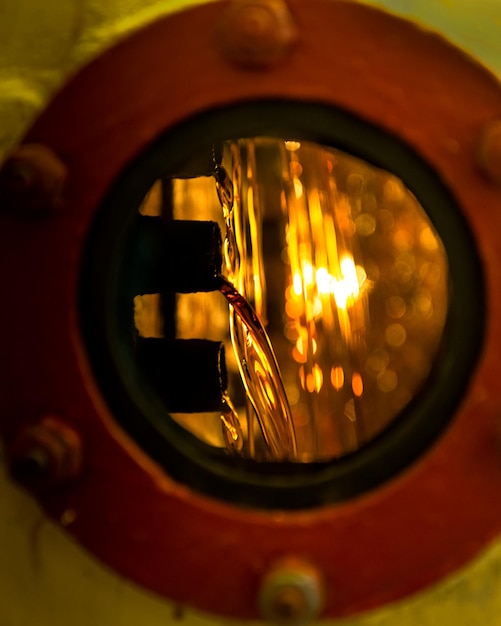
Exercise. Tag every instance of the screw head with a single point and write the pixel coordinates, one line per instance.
(291, 594)
(257, 33)
(45, 454)
(32, 181)
(489, 151)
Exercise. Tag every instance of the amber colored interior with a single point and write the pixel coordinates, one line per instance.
(345, 269)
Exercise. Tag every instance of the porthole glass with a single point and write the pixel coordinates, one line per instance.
(344, 270)
(282, 304)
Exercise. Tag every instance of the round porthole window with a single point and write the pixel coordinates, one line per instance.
(268, 289)
(276, 299)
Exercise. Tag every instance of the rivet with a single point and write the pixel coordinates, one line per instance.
(32, 182)
(291, 594)
(489, 151)
(257, 33)
(45, 454)
(68, 517)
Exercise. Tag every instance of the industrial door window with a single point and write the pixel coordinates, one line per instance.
(282, 308)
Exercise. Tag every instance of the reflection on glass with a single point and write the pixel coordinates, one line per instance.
(346, 273)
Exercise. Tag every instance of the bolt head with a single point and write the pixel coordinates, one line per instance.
(291, 594)
(257, 33)
(45, 454)
(32, 181)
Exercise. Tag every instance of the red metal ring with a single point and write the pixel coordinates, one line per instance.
(408, 534)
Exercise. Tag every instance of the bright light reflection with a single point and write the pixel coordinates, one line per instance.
(337, 377)
(351, 262)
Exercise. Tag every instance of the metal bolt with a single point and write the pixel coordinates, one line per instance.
(32, 181)
(45, 454)
(489, 151)
(291, 594)
(257, 33)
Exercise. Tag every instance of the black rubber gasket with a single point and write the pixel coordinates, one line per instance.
(106, 315)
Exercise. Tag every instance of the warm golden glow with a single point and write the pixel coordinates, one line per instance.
(147, 320)
(337, 377)
(345, 272)
(357, 385)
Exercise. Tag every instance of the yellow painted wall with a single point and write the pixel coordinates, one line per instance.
(47, 580)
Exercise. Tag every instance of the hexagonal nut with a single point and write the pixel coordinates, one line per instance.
(32, 182)
(256, 33)
(292, 594)
(45, 454)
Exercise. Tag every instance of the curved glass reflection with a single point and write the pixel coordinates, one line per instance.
(346, 274)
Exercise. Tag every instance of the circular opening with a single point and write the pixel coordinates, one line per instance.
(274, 318)
(346, 273)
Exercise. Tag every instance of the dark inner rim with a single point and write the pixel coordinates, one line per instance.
(106, 320)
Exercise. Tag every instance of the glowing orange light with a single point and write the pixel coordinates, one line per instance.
(319, 378)
(298, 356)
(315, 380)
(337, 377)
(357, 385)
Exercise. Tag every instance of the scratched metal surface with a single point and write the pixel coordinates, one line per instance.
(45, 579)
